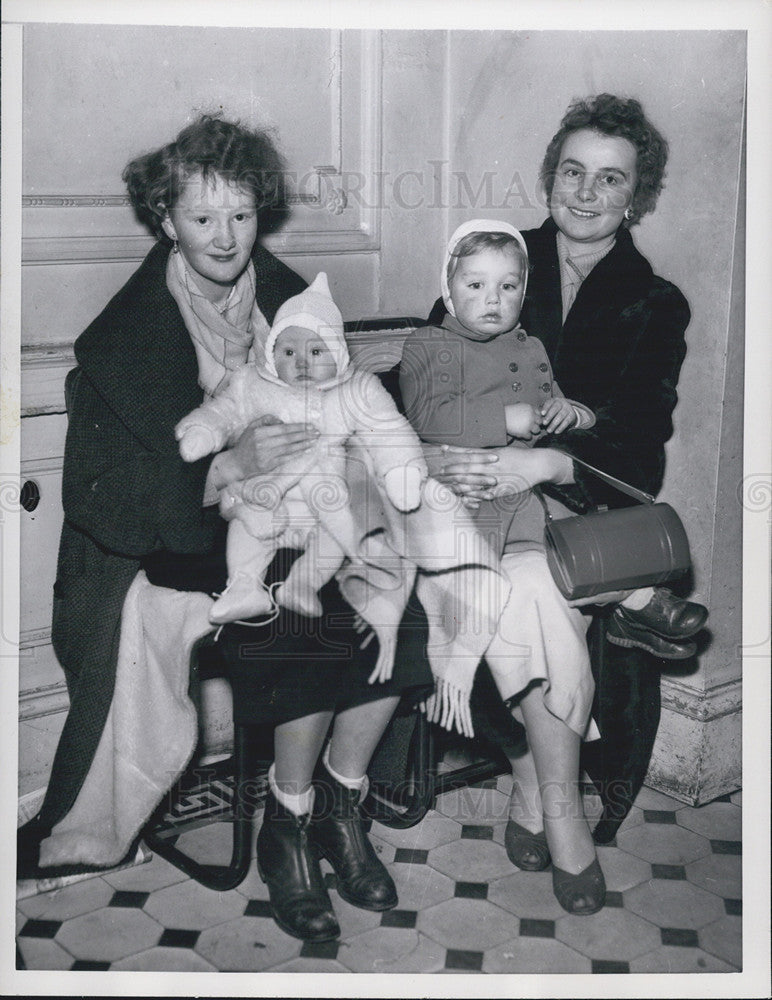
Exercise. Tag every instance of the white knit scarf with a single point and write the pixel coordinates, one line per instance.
(223, 340)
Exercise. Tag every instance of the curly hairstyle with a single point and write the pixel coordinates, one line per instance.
(214, 147)
(473, 243)
(615, 116)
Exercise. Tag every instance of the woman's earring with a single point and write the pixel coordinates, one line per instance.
(628, 213)
(176, 246)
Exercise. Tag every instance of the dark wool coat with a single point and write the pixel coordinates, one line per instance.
(125, 490)
(619, 352)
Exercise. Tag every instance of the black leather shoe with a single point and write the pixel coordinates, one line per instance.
(288, 864)
(622, 632)
(667, 615)
(339, 835)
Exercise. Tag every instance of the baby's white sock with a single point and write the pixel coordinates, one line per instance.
(638, 599)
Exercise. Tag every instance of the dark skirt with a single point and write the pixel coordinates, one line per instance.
(296, 666)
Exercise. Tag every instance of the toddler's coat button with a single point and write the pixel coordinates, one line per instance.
(543, 367)
(521, 336)
(513, 366)
(546, 387)
(516, 385)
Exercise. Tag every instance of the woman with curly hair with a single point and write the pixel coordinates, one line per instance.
(614, 335)
(143, 548)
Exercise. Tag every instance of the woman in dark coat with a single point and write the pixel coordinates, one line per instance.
(614, 334)
(200, 305)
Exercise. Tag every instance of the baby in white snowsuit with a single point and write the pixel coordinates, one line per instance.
(305, 503)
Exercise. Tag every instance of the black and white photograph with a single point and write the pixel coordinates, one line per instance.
(385, 500)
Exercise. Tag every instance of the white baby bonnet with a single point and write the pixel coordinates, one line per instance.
(476, 226)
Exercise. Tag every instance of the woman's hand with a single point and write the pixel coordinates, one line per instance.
(265, 445)
(465, 471)
(485, 473)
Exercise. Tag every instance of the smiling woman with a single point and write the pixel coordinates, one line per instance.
(143, 548)
(593, 187)
(213, 224)
(613, 333)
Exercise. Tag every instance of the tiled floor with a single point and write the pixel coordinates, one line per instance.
(674, 904)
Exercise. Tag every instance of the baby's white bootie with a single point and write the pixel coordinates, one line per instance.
(244, 597)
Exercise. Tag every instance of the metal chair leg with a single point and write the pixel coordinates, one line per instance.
(220, 877)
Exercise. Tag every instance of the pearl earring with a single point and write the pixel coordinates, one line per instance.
(175, 246)
(628, 213)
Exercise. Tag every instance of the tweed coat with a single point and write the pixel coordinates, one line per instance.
(126, 492)
(619, 352)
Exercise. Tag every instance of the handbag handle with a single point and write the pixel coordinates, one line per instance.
(619, 484)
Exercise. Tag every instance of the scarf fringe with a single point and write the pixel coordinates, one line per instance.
(449, 706)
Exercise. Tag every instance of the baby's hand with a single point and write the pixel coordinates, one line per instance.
(403, 487)
(521, 420)
(195, 441)
(557, 415)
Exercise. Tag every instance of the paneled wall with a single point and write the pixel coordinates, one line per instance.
(391, 138)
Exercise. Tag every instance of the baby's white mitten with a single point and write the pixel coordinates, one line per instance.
(403, 487)
(196, 440)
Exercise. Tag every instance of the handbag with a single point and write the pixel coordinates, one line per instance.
(611, 550)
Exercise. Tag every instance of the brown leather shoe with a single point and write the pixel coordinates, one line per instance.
(667, 615)
(622, 632)
(288, 864)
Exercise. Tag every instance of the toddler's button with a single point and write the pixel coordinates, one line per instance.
(544, 367)
(513, 366)
(516, 385)
(521, 335)
(546, 387)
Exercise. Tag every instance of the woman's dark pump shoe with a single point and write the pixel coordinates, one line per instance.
(581, 894)
(289, 865)
(338, 834)
(526, 850)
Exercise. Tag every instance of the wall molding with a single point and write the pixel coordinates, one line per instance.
(344, 220)
(703, 706)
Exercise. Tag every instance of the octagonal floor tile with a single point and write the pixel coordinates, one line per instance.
(249, 944)
(672, 959)
(383, 848)
(191, 906)
(633, 818)
(468, 924)
(471, 860)
(667, 844)
(310, 965)
(474, 805)
(611, 934)
(253, 886)
(527, 894)
(650, 798)
(717, 820)
(723, 938)
(352, 919)
(420, 886)
(526, 956)
(154, 874)
(392, 950)
(718, 873)
(71, 901)
(674, 904)
(433, 831)
(621, 870)
(109, 934)
(43, 953)
(164, 960)
(211, 844)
